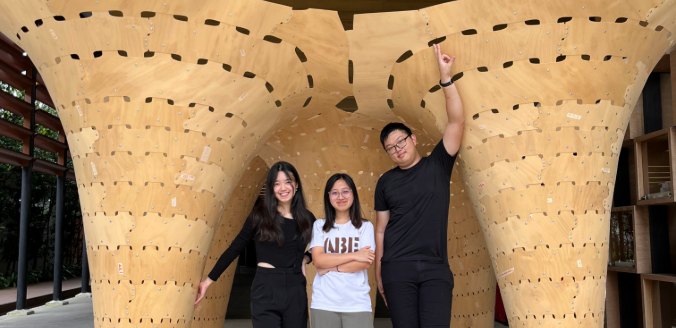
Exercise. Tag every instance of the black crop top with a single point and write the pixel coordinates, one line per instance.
(289, 255)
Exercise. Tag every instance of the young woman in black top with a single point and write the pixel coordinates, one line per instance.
(282, 229)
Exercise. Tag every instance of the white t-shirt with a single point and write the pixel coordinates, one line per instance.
(342, 291)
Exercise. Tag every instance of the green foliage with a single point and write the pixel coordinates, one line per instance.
(42, 212)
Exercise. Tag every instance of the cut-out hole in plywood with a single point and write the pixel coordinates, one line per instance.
(607, 58)
(595, 19)
(176, 57)
(404, 56)
(307, 102)
(202, 61)
(227, 67)
(272, 39)
(59, 18)
(348, 104)
(269, 87)
(229, 115)
(458, 76)
(148, 54)
(482, 69)
(435, 88)
(390, 103)
(310, 81)
(75, 56)
(469, 32)
(499, 27)
(24, 29)
(170, 102)
(507, 64)
(422, 103)
(301, 55)
(564, 19)
(390, 82)
(534, 60)
(533, 22)
(116, 13)
(98, 54)
(38, 22)
(242, 30)
(278, 103)
(350, 72)
(436, 41)
(122, 53)
(249, 75)
(586, 57)
(147, 14)
(85, 14)
(181, 18)
(212, 22)
(560, 58)
(621, 20)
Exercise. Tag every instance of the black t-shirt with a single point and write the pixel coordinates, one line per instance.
(289, 255)
(418, 199)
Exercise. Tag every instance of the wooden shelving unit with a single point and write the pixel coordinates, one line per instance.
(659, 300)
(655, 156)
(629, 240)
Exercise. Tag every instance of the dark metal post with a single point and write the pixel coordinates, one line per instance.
(85, 266)
(26, 178)
(58, 236)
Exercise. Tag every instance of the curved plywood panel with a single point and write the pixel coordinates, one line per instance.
(167, 106)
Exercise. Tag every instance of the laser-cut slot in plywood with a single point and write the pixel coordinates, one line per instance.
(655, 165)
(629, 243)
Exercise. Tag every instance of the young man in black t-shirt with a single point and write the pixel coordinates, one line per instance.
(412, 203)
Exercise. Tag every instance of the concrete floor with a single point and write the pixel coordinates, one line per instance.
(79, 314)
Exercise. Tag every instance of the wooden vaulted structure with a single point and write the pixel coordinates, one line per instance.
(173, 112)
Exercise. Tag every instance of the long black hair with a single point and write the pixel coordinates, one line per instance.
(356, 216)
(267, 218)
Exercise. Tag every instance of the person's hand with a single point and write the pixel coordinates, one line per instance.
(445, 63)
(381, 290)
(302, 267)
(365, 255)
(322, 272)
(202, 290)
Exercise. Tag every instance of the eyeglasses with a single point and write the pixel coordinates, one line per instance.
(346, 193)
(400, 145)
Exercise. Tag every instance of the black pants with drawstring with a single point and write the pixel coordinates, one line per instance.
(278, 299)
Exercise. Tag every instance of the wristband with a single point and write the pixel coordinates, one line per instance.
(446, 84)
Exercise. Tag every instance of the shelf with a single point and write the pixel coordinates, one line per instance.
(659, 293)
(629, 240)
(655, 156)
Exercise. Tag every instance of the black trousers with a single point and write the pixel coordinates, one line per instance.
(418, 293)
(278, 299)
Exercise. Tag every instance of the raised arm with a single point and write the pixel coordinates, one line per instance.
(382, 217)
(454, 110)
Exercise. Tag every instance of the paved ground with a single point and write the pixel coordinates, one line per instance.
(79, 314)
(8, 295)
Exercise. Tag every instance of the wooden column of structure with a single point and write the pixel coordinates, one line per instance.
(166, 105)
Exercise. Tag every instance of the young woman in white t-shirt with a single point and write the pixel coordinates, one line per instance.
(343, 247)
